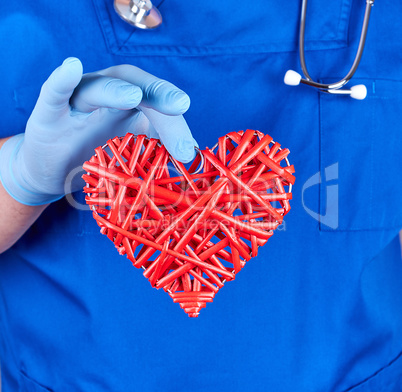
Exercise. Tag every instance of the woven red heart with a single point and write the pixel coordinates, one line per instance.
(190, 232)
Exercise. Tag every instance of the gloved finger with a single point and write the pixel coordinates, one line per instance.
(174, 133)
(96, 91)
(55, 94)
(140, 125)
(157, 94)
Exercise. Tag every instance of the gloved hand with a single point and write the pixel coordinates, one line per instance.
(75, 113)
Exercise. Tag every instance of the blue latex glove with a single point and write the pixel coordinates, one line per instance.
(75, 113)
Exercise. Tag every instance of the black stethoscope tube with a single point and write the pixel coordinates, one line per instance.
(308, 80)
(294, 79)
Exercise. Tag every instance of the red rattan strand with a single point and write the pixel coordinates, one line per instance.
(190, 233)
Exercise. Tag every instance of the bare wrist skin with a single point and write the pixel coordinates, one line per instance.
(15, 218)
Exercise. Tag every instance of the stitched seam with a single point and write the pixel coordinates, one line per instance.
(368, 379)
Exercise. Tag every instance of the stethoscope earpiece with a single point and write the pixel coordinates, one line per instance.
(139, 13)
(292, 78)
(359, 91)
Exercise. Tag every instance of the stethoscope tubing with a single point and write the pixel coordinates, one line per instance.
(333, 87)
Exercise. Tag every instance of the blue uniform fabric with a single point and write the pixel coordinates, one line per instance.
(319, 309)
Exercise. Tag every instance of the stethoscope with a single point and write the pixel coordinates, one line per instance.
(144, 15)
(139, 13)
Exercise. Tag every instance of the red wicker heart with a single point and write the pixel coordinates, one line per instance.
(190, 232)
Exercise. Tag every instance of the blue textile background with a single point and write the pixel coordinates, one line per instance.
(319, 308)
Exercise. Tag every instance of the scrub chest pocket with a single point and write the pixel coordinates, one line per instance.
(360, 146)
(260, 28)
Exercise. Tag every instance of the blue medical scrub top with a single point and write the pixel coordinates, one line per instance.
(320, 308)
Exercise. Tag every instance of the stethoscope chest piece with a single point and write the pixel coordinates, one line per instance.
(139, 13)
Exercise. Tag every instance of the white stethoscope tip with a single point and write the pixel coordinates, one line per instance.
(292, 78)
(358, 92)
